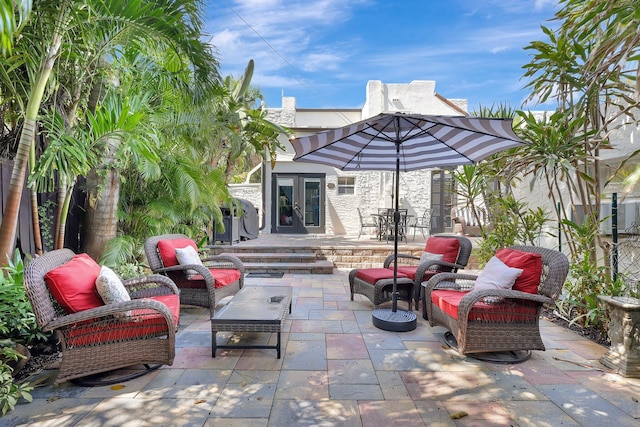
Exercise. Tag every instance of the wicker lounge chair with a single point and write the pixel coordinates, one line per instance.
(109, 336)
(420, 271)
(410, 268)
(219, 277)
(495, 320)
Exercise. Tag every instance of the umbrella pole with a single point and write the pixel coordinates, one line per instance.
(396, 219)
(394, 320)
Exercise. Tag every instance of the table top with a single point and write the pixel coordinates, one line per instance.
(256, 304)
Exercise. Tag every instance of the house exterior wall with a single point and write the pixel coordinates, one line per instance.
(373, 189)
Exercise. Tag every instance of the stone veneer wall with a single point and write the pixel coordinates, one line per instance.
(369, 257)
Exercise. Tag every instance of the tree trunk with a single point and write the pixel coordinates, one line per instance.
(103, 197)
(35, 221)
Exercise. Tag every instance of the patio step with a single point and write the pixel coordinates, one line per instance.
(286, 260)
(289, 255)
(271, 257)
(316, 267)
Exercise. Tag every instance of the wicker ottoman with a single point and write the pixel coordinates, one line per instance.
(378, 288)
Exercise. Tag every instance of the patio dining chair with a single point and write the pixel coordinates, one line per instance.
(203, 281)
(103, 324)
(367, 222)
(423, 223)
(497, 310)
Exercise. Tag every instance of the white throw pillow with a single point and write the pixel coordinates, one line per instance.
(497, 275)
(110, 288)
(428, 256)
(188, 256)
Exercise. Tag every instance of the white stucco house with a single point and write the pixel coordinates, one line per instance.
(307, 198)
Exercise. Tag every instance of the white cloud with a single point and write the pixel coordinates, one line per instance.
(305, 45)
(321, 61)
(542, 4)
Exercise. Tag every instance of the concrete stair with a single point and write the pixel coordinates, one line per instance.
(313, 260)
(285, 260)
(293, 254)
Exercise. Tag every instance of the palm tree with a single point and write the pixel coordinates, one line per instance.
(171, 25)
(589, 65)
(11, 24)
(242, 130)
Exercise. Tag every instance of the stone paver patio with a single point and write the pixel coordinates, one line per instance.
(337, 369)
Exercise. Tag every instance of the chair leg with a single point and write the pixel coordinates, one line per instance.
(423, 233)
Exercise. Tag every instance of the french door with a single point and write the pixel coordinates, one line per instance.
(298, 203)
(442, 199)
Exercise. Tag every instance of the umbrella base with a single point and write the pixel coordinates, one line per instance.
(395, 321)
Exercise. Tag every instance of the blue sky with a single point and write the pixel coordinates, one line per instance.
(323, 52)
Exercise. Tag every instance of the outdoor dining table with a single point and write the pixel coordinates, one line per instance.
(386, 227)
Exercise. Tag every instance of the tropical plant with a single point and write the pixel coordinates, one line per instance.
(69, 154)
(13, 15)
(589, 67)
(11, 390)
(241, 129)
(62, 29)
(17, 326)
(471, 187)
(513, 222)
(17, 321)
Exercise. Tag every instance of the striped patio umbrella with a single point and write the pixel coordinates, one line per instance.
(415, 142)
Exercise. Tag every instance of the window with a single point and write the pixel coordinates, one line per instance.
(346, 185)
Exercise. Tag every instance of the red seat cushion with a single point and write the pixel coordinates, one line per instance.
(531, 265)
(410, 272)
(140, 324)
(449, 247)
(167, 250)
(372, 275)
(73, 284)
(449, 301)
(407, 270)
(221, 277)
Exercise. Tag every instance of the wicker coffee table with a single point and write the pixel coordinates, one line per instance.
(253, 309)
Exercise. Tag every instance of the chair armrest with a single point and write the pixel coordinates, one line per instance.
(424, 266)
(200, 269)
(454, 281)
(150, 286)
(110, 310)
(389, 259)
(223, 261)
(475, 296)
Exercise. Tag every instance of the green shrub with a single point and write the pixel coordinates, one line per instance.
(17, 325)
(10, 390)
(512, 223)
(17, 321)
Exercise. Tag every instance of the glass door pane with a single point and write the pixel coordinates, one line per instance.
(312, 202)
(285, 202)
(442, 199)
